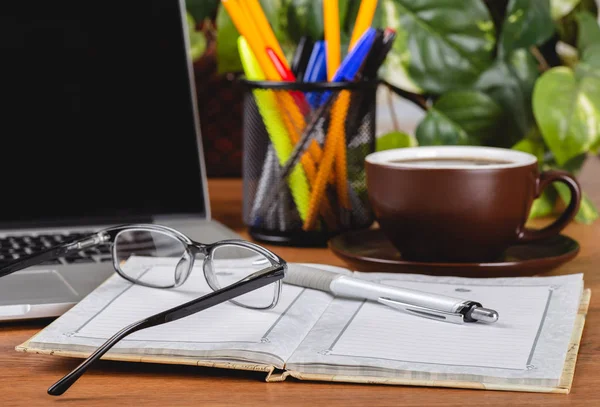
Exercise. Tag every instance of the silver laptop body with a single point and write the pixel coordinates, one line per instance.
(102, 130)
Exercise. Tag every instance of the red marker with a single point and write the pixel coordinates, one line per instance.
(287, 75)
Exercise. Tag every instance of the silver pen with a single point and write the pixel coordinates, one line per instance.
(419, 303)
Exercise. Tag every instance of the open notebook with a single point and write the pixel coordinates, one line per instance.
(312, 335)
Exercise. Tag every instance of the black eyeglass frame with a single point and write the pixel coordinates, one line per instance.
(269, 275)
(110, 235)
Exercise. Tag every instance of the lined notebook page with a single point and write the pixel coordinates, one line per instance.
(223, 322)
(225, 331)
(527, 345)
(378, 331)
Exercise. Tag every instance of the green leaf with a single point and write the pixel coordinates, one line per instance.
(573, 166)
(460, 118)
(587, 213)
(197, 39)
(197, 45)
(567, 110)
(395, 67)
(567, 27)
(591, 56)
(544, 205)
(441, 45)
(532, 146)
(510, 84)
(436, 129)
(560, 8)
(228, 58)
(524, 66)
(394, 139)
(527, 23)
(588, 31)
(588, 39)
(305, 17)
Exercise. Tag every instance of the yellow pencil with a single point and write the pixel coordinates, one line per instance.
(363, 21)
(331, 17)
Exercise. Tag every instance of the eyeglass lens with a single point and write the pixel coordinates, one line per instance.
(231, 263)
(151, 243)
(227, 264)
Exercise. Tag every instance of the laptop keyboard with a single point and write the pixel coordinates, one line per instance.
(14, 247)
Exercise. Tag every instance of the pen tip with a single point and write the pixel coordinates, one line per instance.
(484, 315)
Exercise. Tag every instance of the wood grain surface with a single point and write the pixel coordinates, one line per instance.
(24, 378)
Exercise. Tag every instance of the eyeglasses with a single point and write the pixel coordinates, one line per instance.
(236, 270)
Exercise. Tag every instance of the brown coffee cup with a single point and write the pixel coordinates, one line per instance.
(460, 203)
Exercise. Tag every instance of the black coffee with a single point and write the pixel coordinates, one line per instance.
(449, 162)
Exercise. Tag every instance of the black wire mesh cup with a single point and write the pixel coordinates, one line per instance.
(303, 160)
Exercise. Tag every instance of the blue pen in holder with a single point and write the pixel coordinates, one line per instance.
(270, 210)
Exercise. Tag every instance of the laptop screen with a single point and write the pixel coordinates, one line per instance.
(97, 119)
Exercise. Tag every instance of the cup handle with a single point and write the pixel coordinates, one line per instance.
(546, 178)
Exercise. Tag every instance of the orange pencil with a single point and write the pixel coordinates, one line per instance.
(363, 20)
(331, 144)
(262, 23)
(331, 17)
(333, 55)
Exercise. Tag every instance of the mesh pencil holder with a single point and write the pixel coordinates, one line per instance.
(304, 147)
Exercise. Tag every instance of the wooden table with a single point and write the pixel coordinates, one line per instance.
(24, 378)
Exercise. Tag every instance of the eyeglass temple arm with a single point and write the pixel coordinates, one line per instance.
(263, 278)
(49, 254)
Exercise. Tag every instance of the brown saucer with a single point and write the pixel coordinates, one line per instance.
(370, 251)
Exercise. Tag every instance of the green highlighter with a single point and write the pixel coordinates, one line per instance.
(268, 108)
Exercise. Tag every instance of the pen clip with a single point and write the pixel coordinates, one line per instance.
(453, 317)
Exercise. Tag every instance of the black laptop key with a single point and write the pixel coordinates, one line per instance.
(76, 260)
(104, 249)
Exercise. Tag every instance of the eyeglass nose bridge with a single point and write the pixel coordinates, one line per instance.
(185, 265)
(184, 268)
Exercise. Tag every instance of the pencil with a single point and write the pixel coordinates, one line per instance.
(239, 11)
(267, 106)
(329, 155)
(291, 116)
(262, 24)
(335, 144)
(333, 56)
(363, 20)
(331, 16)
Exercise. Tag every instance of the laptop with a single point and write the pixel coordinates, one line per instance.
(99, 128)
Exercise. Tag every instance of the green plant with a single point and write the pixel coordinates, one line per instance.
(522, 74)
(197, 38)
